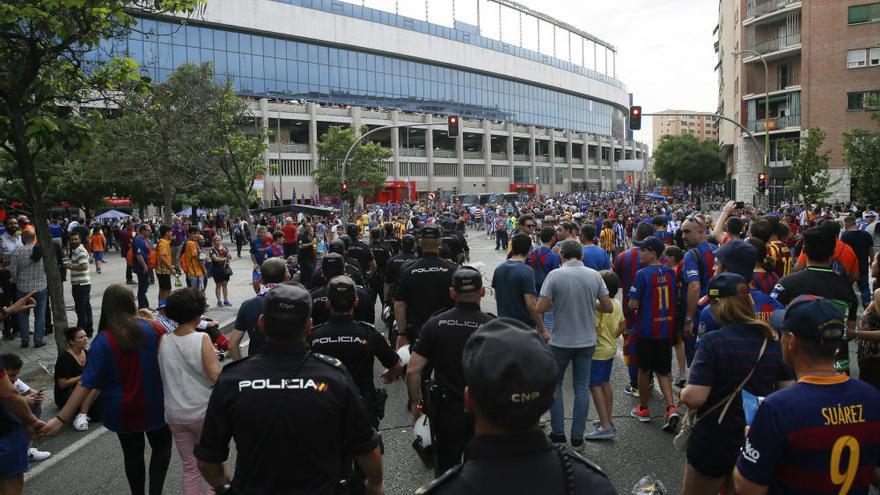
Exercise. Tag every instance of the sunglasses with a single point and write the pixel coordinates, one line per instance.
(696, 219)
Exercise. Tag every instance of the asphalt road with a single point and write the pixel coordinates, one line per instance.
(91, 462)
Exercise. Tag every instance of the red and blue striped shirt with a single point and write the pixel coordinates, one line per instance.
(626, 265)
(655, 290)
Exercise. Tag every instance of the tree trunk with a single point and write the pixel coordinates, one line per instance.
(246, 215)
(167, 201)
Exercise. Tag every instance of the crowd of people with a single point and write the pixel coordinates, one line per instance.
(756, 306)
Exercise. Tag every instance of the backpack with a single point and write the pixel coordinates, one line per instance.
(153, 259)
(539, 265)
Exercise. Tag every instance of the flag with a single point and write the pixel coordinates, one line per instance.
(293, 196)
(275, 195)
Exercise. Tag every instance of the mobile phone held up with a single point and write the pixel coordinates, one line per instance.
(740, 205)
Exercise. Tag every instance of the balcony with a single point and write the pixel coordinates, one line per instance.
(775, 123)
(776, 47)
(499, 156)
(472, 155)
(766, 10)
(411, 152)
(289, 148)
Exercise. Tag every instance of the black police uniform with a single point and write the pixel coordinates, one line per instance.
(381, 253)
(361, 252)
(393, 243)
(424, 286)
(351, 269)
(355, 344)
(364, 312)
(394, 266)
(441, 342)
(520, 463)
(276, 414)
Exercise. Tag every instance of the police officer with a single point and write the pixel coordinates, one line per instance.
(279, 405)
(352, 267)
(510, 377)
(440, 344)
(394, 265)
(451, 247)
(391, 239)
(360, 251)
(333, 266)
(381, 253)
(423, 287)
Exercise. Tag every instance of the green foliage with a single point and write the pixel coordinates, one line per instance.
(861, 149)
(365, 172)
(809, 170)
(685, 159)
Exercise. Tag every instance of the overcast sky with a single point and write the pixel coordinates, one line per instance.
(665, 51)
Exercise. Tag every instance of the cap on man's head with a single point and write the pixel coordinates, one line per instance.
(336, 246)
(738, 256)
(725, 284)
(869, 213)
(287, 304)
(466, 280)
(509, 371)
(431, 231)
(332, 265)
(341, 291)
(652, 244)
(352, 230)
(810, 317)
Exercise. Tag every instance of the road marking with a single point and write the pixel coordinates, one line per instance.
(64, 454)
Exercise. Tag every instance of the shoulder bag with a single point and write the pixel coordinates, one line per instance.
(691, 418)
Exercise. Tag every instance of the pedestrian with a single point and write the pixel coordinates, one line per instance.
(140, 254)
(697, 269)
(9, 242)
(868, 335)
(126, 237)
(653, 298)
(824, 420)
(572, 290)
(258, 255)
(514, 284)
(609, 327)
(593, 256)
(164, 263)
(189, 369)
(422, 288)
(510, 376)
(307, 254)
(274, 272)
(123, 365)
(440, 347)
(68, 372)
(278, 405)
(192, 260)
(764, 276)
(29, 276)
(861, 244)
(221, 270)
(744, 354)
(80, 283)
(290, 234)
(333, 265)
(501, 232)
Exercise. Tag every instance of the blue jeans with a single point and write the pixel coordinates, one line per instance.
(42, 297)
(143, 286)
(501, 240)
(83, 305)
(581, 361)
(865, 289)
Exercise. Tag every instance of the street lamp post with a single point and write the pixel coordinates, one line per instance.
(766, 106)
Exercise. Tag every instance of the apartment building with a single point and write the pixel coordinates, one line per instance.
(822, 65)
(672, 123)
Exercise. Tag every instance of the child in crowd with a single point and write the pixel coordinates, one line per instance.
(34, 398)
(609, 326)
(674, 257)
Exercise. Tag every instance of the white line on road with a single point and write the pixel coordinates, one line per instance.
(65, 453)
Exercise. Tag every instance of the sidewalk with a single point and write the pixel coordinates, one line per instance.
(43, 359)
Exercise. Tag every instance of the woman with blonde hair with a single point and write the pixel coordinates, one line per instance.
(744, 354)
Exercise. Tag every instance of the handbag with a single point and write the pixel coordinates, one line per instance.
(680, 442)
(227, 270)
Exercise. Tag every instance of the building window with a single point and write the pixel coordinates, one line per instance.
(874, 57)
(856, 58)
(859, 14)
(863, 100)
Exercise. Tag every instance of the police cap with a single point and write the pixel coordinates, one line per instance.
(341, 291)
(352, 230)
(431, 231)
(509, 371)
(287, 305)
(336, 246)
(333, 265)
(466, 280)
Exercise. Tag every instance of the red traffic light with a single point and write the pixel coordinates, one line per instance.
(345, 186)
(636, 111)
(762, 176)
(453, 119)
(452, 126)
(635, 118)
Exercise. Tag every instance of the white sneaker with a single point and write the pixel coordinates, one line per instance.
(81, 422)
(37, 455)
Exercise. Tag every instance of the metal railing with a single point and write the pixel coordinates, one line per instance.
(473, 155)
(444, 154)
(759, 9)
(542, 158)
(411, 152)
(775, 123)
(777, 44)
(520, 158)
(499, 156)
(290, 148)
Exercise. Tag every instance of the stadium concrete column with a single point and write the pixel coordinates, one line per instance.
(459, 159)
(569, 149)
(552, 153)
(532, 166)
(312, 108)
(395, 145)
(429, 150)
(510, 151)
(585, 158)
(487, 152)
(356, 120)
(264, 124)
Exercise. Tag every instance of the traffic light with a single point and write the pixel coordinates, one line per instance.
(452, 123)
(762, 182)
(344, 190)
(635, 118)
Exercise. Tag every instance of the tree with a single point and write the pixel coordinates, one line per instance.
(809, 170)
(685, 159)
(365, 171)
(861, 149)
(43, 47)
